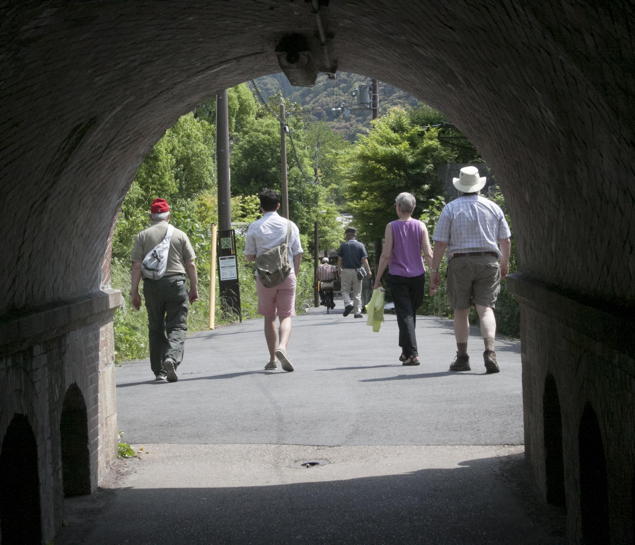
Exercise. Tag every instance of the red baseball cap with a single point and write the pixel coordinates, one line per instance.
(159, 206)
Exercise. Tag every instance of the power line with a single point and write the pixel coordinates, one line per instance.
(282, 122)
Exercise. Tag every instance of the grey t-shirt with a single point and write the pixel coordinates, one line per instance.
(180, 253)
(352, 252)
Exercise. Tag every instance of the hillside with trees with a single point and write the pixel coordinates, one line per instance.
(336, 101)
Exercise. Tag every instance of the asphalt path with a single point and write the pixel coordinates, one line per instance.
(351, 448)
(348, 389)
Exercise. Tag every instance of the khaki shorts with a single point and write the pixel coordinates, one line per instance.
(473, 280)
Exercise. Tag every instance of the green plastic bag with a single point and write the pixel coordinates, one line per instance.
(375, 309)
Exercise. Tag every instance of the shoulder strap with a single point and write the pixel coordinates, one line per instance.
(169, 232)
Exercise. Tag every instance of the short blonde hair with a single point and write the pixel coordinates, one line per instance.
(406, 202)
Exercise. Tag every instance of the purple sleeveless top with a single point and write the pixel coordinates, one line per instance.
(406, 249)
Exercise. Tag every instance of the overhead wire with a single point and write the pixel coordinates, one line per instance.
(282, 122)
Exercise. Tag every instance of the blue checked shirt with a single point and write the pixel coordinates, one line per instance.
(471, 223)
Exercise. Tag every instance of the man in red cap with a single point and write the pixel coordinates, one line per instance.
(164, 256)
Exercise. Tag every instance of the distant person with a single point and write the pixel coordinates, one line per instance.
(271, 231)
(476, 236)
(405, 242)
(326, 274)
(166, 297)
(352, 262)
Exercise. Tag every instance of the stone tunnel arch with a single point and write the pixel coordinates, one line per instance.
(554, 460)
(19, 485)
(543, 89)
(516, 98)
(74, 440)
(593, 481)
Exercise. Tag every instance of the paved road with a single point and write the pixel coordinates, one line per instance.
(406, 455)
(348, 389)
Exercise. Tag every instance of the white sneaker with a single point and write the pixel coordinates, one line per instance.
(284, 360)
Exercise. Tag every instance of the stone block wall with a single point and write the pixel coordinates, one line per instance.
(588, 353)
(42, 355)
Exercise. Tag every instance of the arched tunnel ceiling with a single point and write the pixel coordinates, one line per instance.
(543, 90)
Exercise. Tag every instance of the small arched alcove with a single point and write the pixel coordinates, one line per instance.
(19, 486)
(594, 506)
(554, 463)
(74, 439)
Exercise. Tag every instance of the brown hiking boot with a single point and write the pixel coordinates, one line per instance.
(461, 363)
(491, 366)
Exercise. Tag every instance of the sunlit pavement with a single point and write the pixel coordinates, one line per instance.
(350, 448)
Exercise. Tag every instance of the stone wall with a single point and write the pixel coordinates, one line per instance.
(543, 89)
(590, 354)
(41, 355)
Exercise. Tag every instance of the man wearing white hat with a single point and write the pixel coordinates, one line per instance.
(476, 236)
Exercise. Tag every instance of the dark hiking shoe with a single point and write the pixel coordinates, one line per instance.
(461, 363)
(491, 365)
(359, 315)
(170, 370)
(348, 309)
(412, 360)
(160, 377)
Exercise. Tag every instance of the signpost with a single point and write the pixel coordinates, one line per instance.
(228, 272)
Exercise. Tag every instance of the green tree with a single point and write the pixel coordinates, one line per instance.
(241, 105)
(401, 153)
(179, 168)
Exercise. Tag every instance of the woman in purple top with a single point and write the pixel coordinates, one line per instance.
(405, 241)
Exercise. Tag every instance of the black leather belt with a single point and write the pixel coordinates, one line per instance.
(475, 254)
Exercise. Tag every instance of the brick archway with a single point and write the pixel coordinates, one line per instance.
(544, 90)
(593, 481)
(554, 461)
(20, 485)
(74, 439)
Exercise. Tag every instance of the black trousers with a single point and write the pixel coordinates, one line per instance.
(407, 294)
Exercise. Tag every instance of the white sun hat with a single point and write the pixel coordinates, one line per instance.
(469, 181)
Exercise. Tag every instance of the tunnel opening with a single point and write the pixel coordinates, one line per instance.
(554, 462)
(594, 505)
(74, 441)
(19, 485)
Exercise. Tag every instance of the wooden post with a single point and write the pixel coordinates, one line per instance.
(316, 256)
(212, 278)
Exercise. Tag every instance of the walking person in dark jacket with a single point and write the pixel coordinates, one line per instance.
(352, 256)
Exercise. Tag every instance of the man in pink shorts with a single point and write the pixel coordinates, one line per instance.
(278, 301)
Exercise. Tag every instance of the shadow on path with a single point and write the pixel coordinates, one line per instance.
(479, 502)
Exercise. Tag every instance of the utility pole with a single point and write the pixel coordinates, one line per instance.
(374, 104)
(222, 162)
(284, 182)
(316, 295)
(226, 242)
(374, 98)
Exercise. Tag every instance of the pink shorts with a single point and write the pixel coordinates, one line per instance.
(279, 300)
